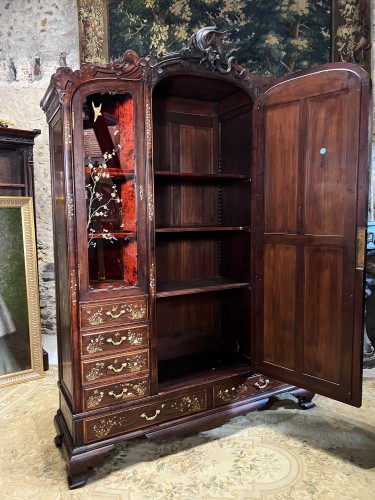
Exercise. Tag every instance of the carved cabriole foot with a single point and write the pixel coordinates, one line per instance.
(304, 398)
(80, 460)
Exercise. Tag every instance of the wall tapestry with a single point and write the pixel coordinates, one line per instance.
(272, 36)
(269, 37)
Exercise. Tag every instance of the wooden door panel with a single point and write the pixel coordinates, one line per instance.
(280, 264)
(330, 176)
(308, 199)
(281, 181)
(323, 319)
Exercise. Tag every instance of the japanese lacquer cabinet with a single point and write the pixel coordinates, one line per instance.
(209, 241)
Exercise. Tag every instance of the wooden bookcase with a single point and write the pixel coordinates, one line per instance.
(209, 250)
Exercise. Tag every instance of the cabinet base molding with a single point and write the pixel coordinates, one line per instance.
(80, 460)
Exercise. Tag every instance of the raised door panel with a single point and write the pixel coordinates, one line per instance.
(309, 203)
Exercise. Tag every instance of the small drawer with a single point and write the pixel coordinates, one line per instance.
(97, 428)
(240, 389)
(114, 340)
(112, 394)
(104, 368)
(117, 313)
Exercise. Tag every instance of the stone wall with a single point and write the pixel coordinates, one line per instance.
(37, 36)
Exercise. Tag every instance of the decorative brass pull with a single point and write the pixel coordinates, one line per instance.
(118, 396)
(117, 370)
(115, 316)
(110, 341)
(261, 384)
(150, 418)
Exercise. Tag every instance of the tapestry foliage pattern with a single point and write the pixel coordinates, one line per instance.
(268, 37)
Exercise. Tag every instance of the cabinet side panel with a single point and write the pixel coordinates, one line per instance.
(61, 258)
(235, 142)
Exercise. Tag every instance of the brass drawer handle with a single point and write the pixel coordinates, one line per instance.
(118, 396)
(110, 341)
(150, 418)
(261, 384)
(115, 316)
(117, 370)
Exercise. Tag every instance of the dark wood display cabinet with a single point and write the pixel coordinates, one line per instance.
(17, 178)
(209, 242)
(16, 161)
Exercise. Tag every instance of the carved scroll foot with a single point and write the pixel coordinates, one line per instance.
(304, 398)
(80, 461)
(81, 465)
(59, 440)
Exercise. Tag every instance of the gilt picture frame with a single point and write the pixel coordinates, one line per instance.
(21, 357)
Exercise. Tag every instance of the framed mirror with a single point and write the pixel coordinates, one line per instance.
(20, 332)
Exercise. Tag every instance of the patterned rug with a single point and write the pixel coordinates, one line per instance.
(281, 453)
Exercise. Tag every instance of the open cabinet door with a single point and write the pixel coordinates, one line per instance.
(308, 218)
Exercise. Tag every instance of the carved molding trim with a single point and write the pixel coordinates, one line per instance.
(16, 140)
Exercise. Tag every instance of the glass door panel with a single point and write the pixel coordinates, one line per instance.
(111, 212)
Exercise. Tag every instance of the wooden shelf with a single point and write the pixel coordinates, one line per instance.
(187, 287)
(201, 229)
(187, 176)
(115, 173)
(12, 186)
(115, 234)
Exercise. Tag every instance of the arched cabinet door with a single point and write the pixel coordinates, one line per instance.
(308, 240)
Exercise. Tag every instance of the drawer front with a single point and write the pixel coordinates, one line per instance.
(115, 340)
(240, 389)
(112, 394)
(117, 313)
(97, 428)
(114, 366)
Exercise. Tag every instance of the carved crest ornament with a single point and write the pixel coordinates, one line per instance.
(206, 47)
